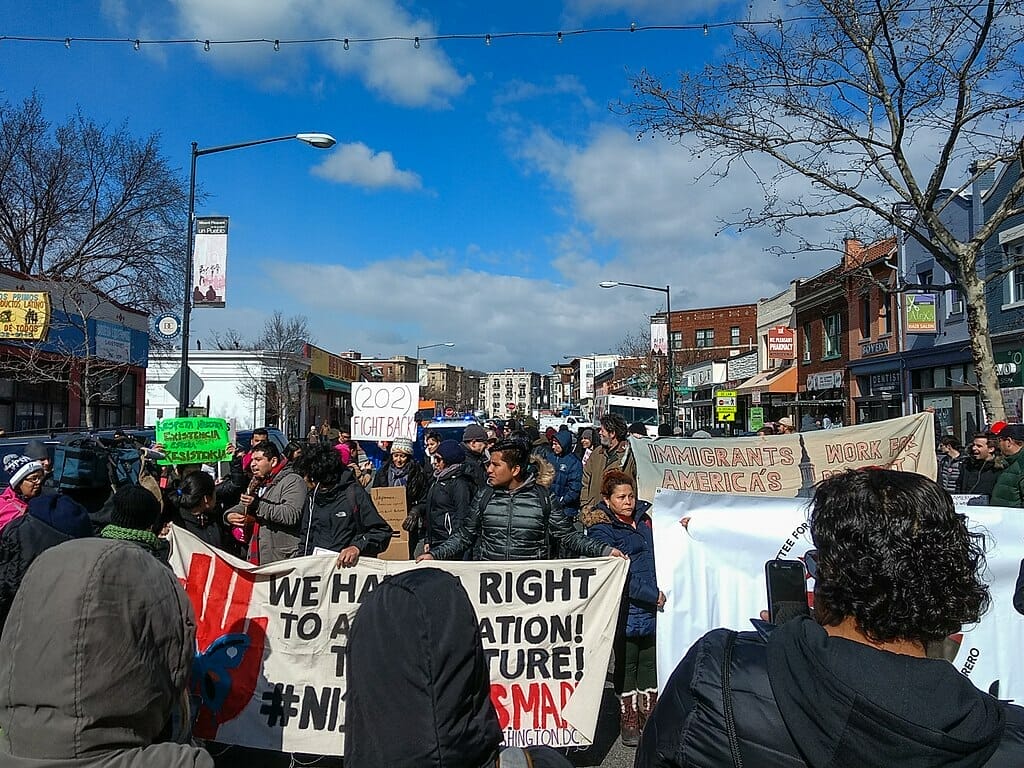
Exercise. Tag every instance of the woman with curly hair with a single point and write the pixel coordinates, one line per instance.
(897, 568)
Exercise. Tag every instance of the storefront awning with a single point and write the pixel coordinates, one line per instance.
(330, 385)
(783, 382)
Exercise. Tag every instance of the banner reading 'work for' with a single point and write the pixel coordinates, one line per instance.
(784, 465)
(272, 643)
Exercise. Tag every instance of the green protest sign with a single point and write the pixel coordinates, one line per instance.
(194, 440)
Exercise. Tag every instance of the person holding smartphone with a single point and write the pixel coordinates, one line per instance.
(621, 521)
(897, 568)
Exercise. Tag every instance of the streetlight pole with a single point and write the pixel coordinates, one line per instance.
(667, 290)
(318, 140)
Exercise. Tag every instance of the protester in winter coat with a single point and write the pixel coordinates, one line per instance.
(621, 521)
(950, 463)
(402, 471)
(339, 514)
(565, 488)
(474, 441)
(515, 519)
(193, 508)
(897, 568)
(49, 520)
(416, 638)
(272, 512)
(584, 445)
(450, 496)
(1008, 490)
(980, 470)
(134, 517)
(97, 655)
(615, 452)
(37, 451)
(25, 483)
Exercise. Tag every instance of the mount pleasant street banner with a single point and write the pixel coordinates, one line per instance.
(272, 643)
(712, 572)
(784, 465)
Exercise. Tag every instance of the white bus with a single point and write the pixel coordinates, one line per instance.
(632, 409)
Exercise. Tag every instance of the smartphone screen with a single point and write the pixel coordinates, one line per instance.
(787, 590)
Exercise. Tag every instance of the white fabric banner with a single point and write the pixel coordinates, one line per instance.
(210, 262)
(784, 465)
(712, 572)
(384, 411)
(272, 643)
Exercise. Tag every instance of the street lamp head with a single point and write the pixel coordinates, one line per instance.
(608, 284)
(449, 344)
(318, 140)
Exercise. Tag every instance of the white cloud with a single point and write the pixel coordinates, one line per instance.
(357, 164)
(395, 71)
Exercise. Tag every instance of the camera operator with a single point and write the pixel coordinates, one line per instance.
(897, 568)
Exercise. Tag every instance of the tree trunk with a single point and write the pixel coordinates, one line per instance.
(981, 341)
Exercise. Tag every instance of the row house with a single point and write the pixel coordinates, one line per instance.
(511, 391)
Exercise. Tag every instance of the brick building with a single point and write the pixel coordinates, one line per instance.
(822, 347)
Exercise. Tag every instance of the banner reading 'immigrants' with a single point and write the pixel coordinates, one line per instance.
(784, 465)
(272, 643)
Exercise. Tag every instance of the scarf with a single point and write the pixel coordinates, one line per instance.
(146, 539)
(398, 477)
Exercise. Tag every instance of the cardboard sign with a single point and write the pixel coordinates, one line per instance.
(390, 502)
(277, 635)
(193, 440)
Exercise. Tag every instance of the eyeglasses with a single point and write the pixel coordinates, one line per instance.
(34, 479)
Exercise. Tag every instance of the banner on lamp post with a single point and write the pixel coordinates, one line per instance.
(659, 336)
(209, 262)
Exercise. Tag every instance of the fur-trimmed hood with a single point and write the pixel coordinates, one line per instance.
(542, 471)
(602, 514)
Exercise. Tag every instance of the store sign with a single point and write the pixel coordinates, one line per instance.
(824, 380)
(113, 342)
(24, 315)
(1010, 367)
(781, 343)
(885, 382)
(920, 313)
(870, 348)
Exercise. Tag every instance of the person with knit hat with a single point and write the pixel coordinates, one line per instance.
(48, 521)
(134, 517)
(36, 449)
(449, 498)
(26, 482)
(474, 440)
(401, 471)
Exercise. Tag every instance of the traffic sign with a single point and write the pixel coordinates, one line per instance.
(195, 384)
(449, 412)
(727, 416)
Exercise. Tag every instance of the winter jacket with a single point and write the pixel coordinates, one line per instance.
(1008, 490)
(473, 466)
(568, 482)
(524, 524)
(207, 527)
(277, 512)
(343, 516)
(601, 461)
(11, 506)
(949, 471)
(416, 486)
(978, 476)
(638, 544)
(106, 688)
(417, 637)
(804, 698)
(49, 520)
(447, 504)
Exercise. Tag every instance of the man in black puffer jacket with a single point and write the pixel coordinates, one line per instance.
(897, 567)
(514, 518)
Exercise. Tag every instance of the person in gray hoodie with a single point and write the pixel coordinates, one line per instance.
(95, 661)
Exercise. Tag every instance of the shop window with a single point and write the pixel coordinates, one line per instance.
(832, 328)
(1013, 293)
(865, 316)
(807, 343)
(705, 337)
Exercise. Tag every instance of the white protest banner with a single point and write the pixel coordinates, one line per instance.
(272, 643)
(784, 465)
(384, 411)
(712, 572)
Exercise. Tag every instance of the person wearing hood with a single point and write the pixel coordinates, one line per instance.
(135, 517)
(25, 483)
(401, 471)
(515, 517)
(49, 520)
(271, 506)
(339, 514)
(416, 637)
(584, 445)
(620, 520)
(897, 567)
(99, 678)
(37, 451)
(568, 482)
(449, 497)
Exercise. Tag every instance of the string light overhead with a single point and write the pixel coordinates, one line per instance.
(416, 40)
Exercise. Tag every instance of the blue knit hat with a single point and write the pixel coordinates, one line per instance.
(62, 513)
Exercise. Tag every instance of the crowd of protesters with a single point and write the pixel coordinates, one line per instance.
(501, 493)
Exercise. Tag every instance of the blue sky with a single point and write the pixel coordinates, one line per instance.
(477, 193)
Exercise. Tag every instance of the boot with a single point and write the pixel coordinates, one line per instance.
(629, 726)
(645, 705)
